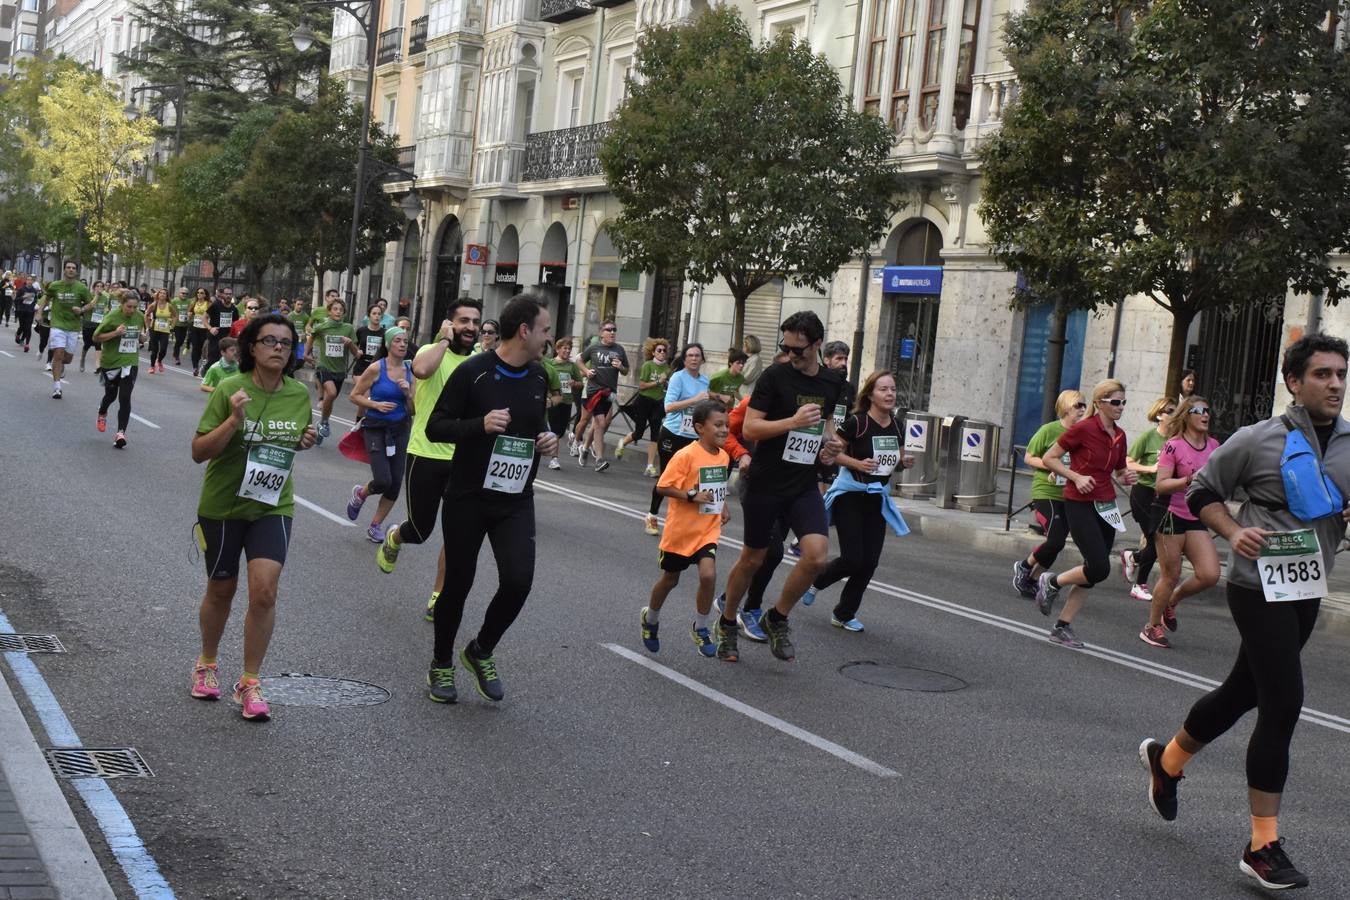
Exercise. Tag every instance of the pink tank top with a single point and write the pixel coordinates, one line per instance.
(1184, 460)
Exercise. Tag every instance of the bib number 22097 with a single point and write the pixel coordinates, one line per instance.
(509, 466)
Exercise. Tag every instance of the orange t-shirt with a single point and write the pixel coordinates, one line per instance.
(688, 529)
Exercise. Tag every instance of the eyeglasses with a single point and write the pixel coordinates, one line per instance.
(273, 341)
(1199, 410)
(795, 351)
(1113, 401)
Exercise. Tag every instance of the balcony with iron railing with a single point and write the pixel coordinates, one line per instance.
(407, 157)
(417, 36)
(566, 154)
(608, 4)
(389, 48)
(559, 11)
(497, 170)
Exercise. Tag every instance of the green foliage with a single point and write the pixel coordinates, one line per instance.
(743, 162)
(1189, 151)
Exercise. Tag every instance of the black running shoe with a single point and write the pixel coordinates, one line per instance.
(1271, 867)
(484, 672)
(441, 681)
(1162, 788)
(780, 637)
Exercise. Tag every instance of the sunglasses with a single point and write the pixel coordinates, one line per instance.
(609, 329)
(251, 308)
(795, 351)
(1199, 410)
(489, 333)
(1171, 410)
(1113, 402)
(1080, 405)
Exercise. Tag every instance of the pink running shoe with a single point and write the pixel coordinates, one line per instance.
(250, 699)
(205, 684)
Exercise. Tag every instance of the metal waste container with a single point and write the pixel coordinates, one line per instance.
(923, 441)
(976, 453)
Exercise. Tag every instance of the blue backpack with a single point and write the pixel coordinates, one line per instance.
(1310, 493)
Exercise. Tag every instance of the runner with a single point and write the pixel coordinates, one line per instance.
(120, 336)
(492, 410)
(220, 318)
(223, 368)
(25, 308)
(200, 333)
(789, 421)
(369, 341)
(1096, 448)
(1146, 506)
(568, 380)
(1180, 532)
(725, 386)
(601, 364)
(1047, 494)
(249, 433)
(429, 463)
(835, 355)
(182, 322)
(384, 394)
(685, 390)
(249, 309)
(159, 323)
(1284, 542)
(65, 301)
(7, 290)
(858, 502)
(695, 480)
(646, 407)
(336, 343)
(299, 316)
(101, 306)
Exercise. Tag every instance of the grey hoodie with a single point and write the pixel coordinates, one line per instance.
(1250, 460)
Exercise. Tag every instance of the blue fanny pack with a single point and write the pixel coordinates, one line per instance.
(1310, 494)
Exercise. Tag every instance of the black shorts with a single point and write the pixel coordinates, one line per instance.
(804, 514)
(337, 378)
(88, 335)
(674, 562)
(222, 540)
(599, 403)
(1172, 524)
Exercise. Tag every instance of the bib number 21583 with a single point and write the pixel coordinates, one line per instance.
(1291, 567)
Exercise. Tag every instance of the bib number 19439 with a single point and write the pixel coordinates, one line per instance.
(1291, 567)
(266, 472)
(509, 466)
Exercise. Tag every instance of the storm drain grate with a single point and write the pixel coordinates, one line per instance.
(299, 689)
(901, 678)
(97, 762)
(30, 643)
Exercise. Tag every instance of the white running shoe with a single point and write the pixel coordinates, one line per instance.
(1128, 567)
(1141, 592)
(554, 464)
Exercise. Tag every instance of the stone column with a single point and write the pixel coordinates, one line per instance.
(944, 138)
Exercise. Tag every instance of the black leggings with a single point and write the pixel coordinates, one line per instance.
(180, 336)
(1093, 537)
(425, 479)
(862, 532)
(213, 346)
(386, 471)
(25, 333)
(666, 447)
(119, 390)
(1050, 515)
(197, 341)
(1267, 676)
(6, 303)
(558, 417)
(159, 345)
(1147, 508)
(44, 334)
(647, 413)
(508, 524)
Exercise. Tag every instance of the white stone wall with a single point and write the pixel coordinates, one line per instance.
(978, 345)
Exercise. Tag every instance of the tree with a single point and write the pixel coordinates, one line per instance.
(743, 161)
(1192, 152)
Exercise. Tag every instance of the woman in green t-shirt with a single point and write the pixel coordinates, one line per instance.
(1145, 506)
(564, 380)
(1047, 494)
(648, 406)
(119, 337)
(253, 425)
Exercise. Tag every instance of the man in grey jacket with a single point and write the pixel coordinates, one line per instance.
(1276, 578)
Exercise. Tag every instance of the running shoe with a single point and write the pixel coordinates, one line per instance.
(809, 597)
(795, 549)
(161, 367)
(1128, 567)
(1141, 592)
(618, 451)
(441, 681)
(1154, 636)
(602, 465)
(1162, 788)
(582, 454)
(748, 619)
(649, 525)
(177, 361)
(720, 602)
(358, 500)
(387, 556)
(205, 683)
(121, 440)
(47, 368)
(484, 672)
(1063, 635)
(703, 639)
(649, 472)
(1271, 867)
(430, 614)
(554, 464)
(102, 423)
(56, 394)
(375, 533)
(572, 449)
(81, 365)
(1046, 593)
(25, 348)
(196, 372)
(780, 637)
(848, 625)
(650, 639)
(726, 641)
(325, 429)
(1023, 581)
(250, 699)
(1169, 617)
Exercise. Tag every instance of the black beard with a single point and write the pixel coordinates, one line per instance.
(463, 341)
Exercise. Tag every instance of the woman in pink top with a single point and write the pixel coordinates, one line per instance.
(1181, 533)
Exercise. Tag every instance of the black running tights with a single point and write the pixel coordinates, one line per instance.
(119, 390)
(197, 341)
(24, 334)
(180, 336)
(1147, 508)
(862, 533)
(423, 485)
(1093, 537)
(159, 346)
(1055, 524)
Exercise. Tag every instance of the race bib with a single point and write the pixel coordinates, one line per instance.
(1110, 514)
(226, 320)
(129, 341)
(1060, 480)
(182, 318)
(509, 466)
(840, 413)
(266, 472)
(96, 316)
(713, 479)
(199, 321)
(162, 325)
(1291, 567)
(687, 421)
(332, 346)
(373, 342)
(886, 451)
(565, 382)
(803, 444)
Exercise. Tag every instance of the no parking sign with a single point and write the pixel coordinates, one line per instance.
(972, 445)
(916, 435)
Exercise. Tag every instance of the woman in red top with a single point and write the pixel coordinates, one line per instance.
(1096, 449)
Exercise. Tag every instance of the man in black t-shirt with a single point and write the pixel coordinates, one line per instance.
(789, 421)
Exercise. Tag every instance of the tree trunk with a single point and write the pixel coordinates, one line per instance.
(1182, 317)
(1054, 361)
(738, 323)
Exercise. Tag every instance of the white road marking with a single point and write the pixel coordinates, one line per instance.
(758, 715)
(341, 520)
(7, 353)
(145, 422)
(318, 412)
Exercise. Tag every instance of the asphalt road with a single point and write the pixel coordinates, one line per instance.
(599, 776)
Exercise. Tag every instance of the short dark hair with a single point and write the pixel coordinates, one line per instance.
(1298, 354)
(836, 348)
(690, 346)
(227, 342)
(705, 408)
(460, 303)
(806, 323)
(522, 309)
(249, 336)
(737, 356)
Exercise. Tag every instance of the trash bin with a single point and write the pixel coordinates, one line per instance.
(976, 458)
(923, 441)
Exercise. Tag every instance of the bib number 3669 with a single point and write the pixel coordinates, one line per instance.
(1291, 567)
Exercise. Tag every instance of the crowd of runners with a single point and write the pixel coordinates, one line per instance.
(460, 426)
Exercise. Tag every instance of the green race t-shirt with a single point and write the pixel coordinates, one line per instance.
(554, 384)
(724, 382)
(427, 392)
(182, 311)
(276, 420)
(1046, 485)
(95, 315)
(315, 317)
(1145, 451)
(219, 371)
(331, 354)
(119, 352)
(653, 371)
(64, 297)
(299, 319)
(569, 378)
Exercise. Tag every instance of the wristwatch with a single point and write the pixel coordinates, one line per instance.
(691, 494)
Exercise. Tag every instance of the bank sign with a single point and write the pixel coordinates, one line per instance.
(912, 280)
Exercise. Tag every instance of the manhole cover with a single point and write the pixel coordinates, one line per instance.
(901, 678)
(297, 689)
(97, 762)
(30, 643)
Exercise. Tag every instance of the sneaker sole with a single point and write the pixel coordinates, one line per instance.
(198, 696)
(434, 699)
(1148, 788)
(1153, 643)
(473, 674)
(1268, 885)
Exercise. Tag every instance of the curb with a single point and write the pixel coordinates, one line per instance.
(72, 868)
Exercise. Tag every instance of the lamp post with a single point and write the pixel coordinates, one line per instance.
(178, 94)
(303, 38)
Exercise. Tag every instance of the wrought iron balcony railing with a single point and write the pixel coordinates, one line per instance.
(390, 47)
(407, 157)
(607, 4)
(557, 11)
(564, 153)
(417, 37)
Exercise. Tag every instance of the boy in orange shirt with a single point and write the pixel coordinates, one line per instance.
(696, 483)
